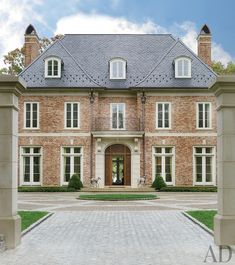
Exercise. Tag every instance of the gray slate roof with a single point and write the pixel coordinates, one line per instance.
(149, 62)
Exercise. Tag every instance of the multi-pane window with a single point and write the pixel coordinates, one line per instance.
(31, 115)
(117, 69)
(72, 113)
(31, 165)
(204, 115)
(204, 165)
(53, 67)
(163, 115)
(72, 162)
(183, 67)
(164, 163)
(118, 116)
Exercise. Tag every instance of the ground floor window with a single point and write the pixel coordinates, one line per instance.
(71, 162)
(164, 163)
(31, 165)
(204, 165)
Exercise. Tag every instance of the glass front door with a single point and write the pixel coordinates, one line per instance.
(118, 170)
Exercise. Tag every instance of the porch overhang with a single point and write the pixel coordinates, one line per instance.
(117, 134)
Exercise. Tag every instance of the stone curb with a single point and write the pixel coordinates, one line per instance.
(32, 226)
(208, 230)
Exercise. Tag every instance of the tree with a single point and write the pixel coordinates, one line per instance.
(220, 69)
(14, 60)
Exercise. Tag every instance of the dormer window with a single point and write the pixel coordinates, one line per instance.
(52, 67)
(183, 67)
(117, 69)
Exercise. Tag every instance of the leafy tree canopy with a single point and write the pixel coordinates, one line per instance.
(220, 69)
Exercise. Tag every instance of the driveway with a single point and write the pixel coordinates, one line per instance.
(113, 233)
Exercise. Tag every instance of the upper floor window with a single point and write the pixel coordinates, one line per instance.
(72, 113)
(163, 119)
(53, 67)
(31, 115)
(183, 67)
(204, 115)
(118, 116)
(117, 69)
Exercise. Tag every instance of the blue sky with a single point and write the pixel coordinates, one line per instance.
(182, 18)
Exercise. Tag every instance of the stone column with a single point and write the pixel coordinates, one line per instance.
(10, 223)
(224, 90)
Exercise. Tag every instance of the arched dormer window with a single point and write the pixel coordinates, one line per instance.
(52, 67)
(117, 68)
(182, 67)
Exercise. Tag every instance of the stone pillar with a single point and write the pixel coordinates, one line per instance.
(224, 90)
(10, 223)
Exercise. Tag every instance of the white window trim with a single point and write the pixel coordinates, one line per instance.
(31, 120)
(197, 117)
(31, 183)
(111, 69)
(111, 117)
(65, 116)
(176, 67)
(163, 117)
(204, 183)
(172, 183)
(62, 182)
(46, 68)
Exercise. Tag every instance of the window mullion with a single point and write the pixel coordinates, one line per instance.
(72, 110)
(163, 115)
(203, 169)
(31, 169)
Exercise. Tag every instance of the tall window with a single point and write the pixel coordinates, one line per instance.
(118, 116)
(72, 113)
(31, 117)
(53, 67)
(183, 67)
(72, 162)
(163, 118)
(31, 165)
(164, 163)
(117, 69)
(204, 165)
(204, 115)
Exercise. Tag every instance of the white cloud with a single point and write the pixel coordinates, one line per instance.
(15, 15)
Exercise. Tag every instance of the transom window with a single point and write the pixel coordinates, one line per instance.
(183, 67)
(204, 115)
(53, 67)
(72, 114)
(117, 116)
(163, 119)
(204, 165)
(117, 69)
(31, 115)
(71, 163)
(31, 165)
(164, 163)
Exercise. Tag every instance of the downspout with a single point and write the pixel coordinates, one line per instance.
(92, 99)
(143, 101)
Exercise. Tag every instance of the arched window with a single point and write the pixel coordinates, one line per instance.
(117, 68)
(182, 67)
(52, 67)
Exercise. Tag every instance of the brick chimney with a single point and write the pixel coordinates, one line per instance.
(31, 45)
(204, 45)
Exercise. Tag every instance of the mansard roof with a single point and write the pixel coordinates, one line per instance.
(149, 60)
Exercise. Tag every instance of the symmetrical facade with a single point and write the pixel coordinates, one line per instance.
(117, 107)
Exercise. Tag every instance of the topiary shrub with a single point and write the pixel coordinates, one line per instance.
(159, 183)
(75, 182)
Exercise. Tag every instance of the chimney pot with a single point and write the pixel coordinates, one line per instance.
(204, 45)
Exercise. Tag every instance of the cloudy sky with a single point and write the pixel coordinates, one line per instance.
(182, 18)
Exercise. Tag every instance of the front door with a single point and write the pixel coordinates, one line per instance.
(117, 165)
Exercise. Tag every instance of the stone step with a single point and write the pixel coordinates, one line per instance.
(2, 243)
(118, 189)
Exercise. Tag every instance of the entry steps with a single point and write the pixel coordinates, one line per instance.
(118, 189)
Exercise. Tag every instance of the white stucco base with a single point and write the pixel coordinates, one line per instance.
(103, 143)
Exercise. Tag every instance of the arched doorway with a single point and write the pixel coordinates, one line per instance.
(117, 165)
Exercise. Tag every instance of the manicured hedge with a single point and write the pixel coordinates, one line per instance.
(189, 189)
(45, 189)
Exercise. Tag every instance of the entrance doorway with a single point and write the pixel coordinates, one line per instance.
(117, 165)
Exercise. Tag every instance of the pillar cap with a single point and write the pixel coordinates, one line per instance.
(12, 83)
(223, 84)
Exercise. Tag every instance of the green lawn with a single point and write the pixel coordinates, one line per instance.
(28, 218)
(117, 197)
(205, 217)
